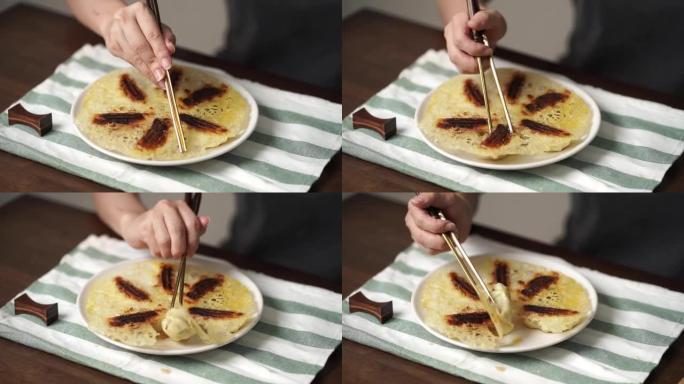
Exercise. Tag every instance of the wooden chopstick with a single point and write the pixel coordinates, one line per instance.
(481, 37)
(170, 96)
(471, 273)
(193, 200)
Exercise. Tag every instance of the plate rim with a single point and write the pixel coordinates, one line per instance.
(559, 156)
(214, 152)
(235, 271)
(537, 259)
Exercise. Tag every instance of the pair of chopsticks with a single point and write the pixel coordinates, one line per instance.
(193, 200)
(480, 37)
(471, 274)
(171, 97)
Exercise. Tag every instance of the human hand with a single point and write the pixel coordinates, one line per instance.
(460, 45)
(132, 34)
(427, 231)
(169, 230)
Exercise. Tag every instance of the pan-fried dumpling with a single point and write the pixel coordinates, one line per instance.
(123, 307)
(219, 306)
(451, 307)
(552, 302)
(125, 113)
(546, 116)
(132, 305)
(540, 298)
(544, 299)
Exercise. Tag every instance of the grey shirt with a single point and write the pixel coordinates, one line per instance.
(299, 231)
(298, 39)
(641, 231)
(636, 42)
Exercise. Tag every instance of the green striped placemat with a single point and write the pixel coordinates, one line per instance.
(636, 144)
(634, 325)
(299, 329)
(295, 137)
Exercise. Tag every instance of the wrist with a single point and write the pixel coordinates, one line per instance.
(124, 222)
(106, 17)
(103, 25)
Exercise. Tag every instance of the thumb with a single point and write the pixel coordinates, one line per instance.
(204, 223)
(169, 39)
(423, 199)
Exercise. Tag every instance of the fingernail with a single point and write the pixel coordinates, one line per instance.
(158, 74)
(451, 227)
(166, 63)
(204, 220)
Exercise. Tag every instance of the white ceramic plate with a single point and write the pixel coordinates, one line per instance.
(214, 152)
(516, 162)
(193, 345)
(529, 339)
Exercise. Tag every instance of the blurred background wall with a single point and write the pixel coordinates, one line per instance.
(221, 208)
(201, 25)
(544, 37)
(537, 216)
(198, 25)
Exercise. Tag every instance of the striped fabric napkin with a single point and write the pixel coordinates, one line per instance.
(636, 144)
(299, 329)
(295, 137)
(633, 327)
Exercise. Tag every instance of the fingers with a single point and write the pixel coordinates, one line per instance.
(463, 39)
(464, 62)
(131, 50)
(433, 242)
(457, 210)
(169, 39)
(193, 226)
(459, 40)
(204, 222)
(462, 36)
(152, 245)
(161, 234)
(427, 223)
(437, 200)
(175, 227)
(142, 53)
(133, 34)
(490, 21)
(154, 37)
(481, 21)
(172, 229)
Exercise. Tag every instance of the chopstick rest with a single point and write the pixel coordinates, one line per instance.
(381, 310)
(42, 124)
(24, 305)
(385, 127)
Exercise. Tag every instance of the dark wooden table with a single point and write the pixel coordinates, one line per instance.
(373, 233)
(35, 234)
(377, 47)
(35, 41)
